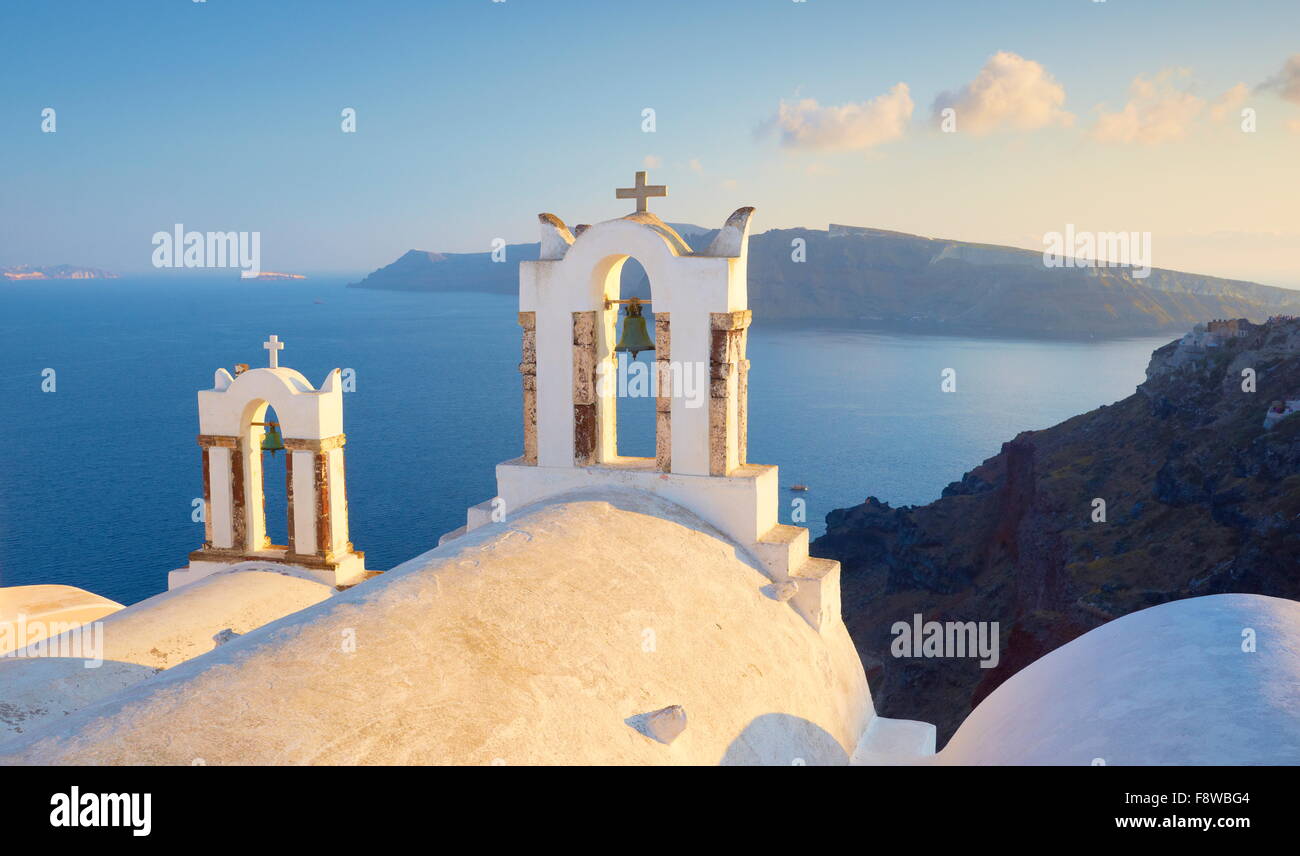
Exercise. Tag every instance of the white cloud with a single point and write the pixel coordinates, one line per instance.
(1157, 111)
(806, 124)
(1227, 105)
(1293, 126)
(653, 161)
(1287, 81)
(1009, 92)
(696, 165)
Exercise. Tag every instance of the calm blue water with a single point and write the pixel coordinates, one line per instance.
(98, 477)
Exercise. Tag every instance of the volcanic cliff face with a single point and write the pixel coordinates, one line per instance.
(1198, 499)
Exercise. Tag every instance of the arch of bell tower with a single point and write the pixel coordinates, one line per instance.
(231, 431)
(568, 303)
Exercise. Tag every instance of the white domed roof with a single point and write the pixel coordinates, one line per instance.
(1166, 685)
(131, 644)
(546, 638)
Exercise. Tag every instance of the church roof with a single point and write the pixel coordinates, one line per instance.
(47, 605)
(543, 639)
(139, 641)
(648, 218)
(1167, 685)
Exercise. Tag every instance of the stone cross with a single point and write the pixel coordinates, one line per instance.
(641, 192)
(274, 345)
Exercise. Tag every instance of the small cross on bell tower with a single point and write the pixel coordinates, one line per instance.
(274, 345)
(641, 193)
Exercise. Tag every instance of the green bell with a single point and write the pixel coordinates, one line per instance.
(635, 338)
(272, 441)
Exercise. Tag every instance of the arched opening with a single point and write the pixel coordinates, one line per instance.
(266, 472)
(626, 388)
(635, 395)
(274, 485)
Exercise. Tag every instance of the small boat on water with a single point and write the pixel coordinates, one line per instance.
(799, 487)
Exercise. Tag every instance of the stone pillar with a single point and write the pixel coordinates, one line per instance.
(318, 506)
(324, 531)
(726, 331)
(338, 495)
(742, 396)
(300, 473)
(218, 497)
(288, 497)
(663, 394)
(207, 498)
(586, 427)
(238, 508)
(528, 372)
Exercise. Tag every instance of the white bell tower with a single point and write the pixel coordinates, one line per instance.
(232, 426)
(569, 301)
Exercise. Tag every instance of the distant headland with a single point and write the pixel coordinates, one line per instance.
(892, 280)
(271, 275)
(55, 272)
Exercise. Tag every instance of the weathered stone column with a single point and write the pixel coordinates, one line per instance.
(663, 394)
(727, 331)
(238, 510)
(742, 396)
(288, 496)
(300, 477)
(528, 372)
(324, 531)
(339, 545)
(207, 498)
(218, 497)
(318, 510)
(586, 429)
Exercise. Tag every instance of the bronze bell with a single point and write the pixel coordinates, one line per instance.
(635, 338)
(272, 441)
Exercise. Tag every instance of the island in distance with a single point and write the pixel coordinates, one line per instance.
(269, 275)
(892, 280)
(21, 272)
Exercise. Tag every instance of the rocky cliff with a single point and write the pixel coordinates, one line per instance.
(422, 270)
(1198, 499)
(930, 284)
(896, 280)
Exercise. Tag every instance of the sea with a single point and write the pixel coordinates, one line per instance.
(100, 471)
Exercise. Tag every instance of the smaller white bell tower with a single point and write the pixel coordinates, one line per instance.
(232, 428)
(569, 301)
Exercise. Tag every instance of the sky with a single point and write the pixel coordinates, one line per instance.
(473, 116)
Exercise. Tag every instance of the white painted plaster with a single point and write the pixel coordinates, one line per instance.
(1166, 685)
(219, 509)
(155, 634)
(29, 613)
(689, 287)
(531, 641)
(304, 502)
(742, 506)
